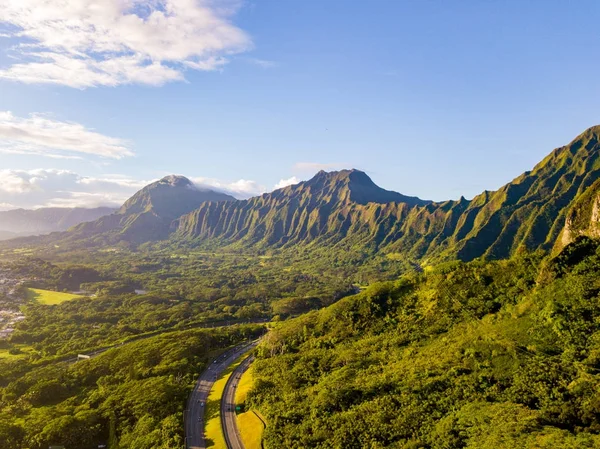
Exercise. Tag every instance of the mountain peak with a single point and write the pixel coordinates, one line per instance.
(175, 181)
(170, 197)
(355, 186)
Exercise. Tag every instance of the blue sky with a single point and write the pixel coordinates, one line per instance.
(430, 98)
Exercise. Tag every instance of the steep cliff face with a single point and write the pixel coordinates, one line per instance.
(327, 208)
(529, 212)
(583, 218)
(347, 207)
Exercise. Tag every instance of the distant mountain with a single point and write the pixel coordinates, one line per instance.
(346, 208)
(20, 222)
(556, 201)
(323, 208)
(148, 214)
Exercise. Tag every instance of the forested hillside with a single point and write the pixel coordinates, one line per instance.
(480, 355)
(132, 396)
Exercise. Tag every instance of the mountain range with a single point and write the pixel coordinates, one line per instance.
(543, 208)
(21, 222)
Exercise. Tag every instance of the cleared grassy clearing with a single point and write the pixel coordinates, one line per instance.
(49, 297)
(23, 351)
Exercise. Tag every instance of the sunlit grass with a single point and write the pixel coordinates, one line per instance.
(251, 429)
(24, 351)
(49, 297)
(212, 414)
(250, 426)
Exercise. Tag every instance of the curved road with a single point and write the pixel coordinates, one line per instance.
(194, 413)
(228, 415)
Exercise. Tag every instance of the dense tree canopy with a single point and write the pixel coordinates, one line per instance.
(482, 354)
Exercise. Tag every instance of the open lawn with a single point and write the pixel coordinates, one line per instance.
(49, 297)
(22, 351)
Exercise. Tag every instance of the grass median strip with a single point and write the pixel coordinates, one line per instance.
(249, 424)
(212, 414)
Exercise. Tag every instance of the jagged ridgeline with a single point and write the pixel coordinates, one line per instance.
(347, 207)
(348, 210)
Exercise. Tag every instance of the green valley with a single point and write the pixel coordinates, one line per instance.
(394, 321)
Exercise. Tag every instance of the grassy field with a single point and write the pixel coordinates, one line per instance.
(24, 351)
(49, 297)
(251, 429)
(212, 415)
(250, 426)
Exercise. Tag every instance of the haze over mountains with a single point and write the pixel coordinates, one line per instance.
(347, 209)
(22, 222)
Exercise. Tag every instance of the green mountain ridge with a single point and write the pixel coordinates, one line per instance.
(332, 208)
(348, 211)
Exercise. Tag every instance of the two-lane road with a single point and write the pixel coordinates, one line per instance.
(228, 415)
(194, 415)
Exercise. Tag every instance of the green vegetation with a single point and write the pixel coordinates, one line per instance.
(49, 297)
(428, 352)
(132, 396)
(482, 354)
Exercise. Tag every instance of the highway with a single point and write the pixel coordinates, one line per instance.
(194, 414)
(228, 415)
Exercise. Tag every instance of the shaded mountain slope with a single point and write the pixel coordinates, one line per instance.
(148, 214)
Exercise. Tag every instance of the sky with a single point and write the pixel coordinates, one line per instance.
(430, 98)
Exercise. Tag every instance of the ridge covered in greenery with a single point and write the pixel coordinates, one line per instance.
(346, 211)
(467, 355)
(337, 209)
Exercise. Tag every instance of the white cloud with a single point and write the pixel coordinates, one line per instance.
(42, 136)
(63, 188)
(316, 166)
(87, 43)
(287, 182)
(242, 188)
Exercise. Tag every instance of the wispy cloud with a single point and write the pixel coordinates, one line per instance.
(86, 43)
(63, 188)
(264, 63)
(242, 188)
(42, 136)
